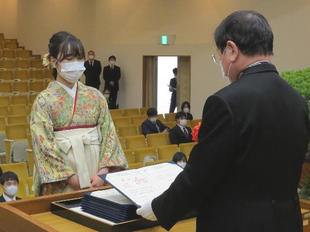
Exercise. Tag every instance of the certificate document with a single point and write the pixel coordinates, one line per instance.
(144, 184)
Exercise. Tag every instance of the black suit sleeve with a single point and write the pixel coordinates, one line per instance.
(105, 73)
(173, 136)
(162, 126)
(99, 67)
(118, 74)
(145, 129)
(208, 164)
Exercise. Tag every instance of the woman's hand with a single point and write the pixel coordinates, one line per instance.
(74, 182)
(95, 180)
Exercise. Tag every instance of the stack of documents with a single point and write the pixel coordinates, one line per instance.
(109, 204)
(132, 188)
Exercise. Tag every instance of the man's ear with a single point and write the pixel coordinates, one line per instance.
(232, 51)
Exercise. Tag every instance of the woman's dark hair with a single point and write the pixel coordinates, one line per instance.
(6, 176)
(151, 112)
(249, 30)
(178, 157)
(54, 73)
(184, 104)
(63, 45)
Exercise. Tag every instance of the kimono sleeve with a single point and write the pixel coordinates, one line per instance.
(111, 153)
(50, 165)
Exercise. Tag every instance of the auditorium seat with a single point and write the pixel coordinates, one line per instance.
(30, 161)
(170, 117)
(157, 162)
(138, 120)
(22, 74)
(154, 140)
(5, 87)
(36, 63)
(170, 124)
(23, 63)
(19, 168)
(20, 86)
(189, 123)
(135, 165)
(143, 111)
(18, 110)
(130, 156)
(30, 185)
(10, 43)
(167, 152)
(19, 99)
(131, 112)
(6, 74)
(17, 119)
(14, 133)
(195, 122)
(37, 74)
(25, 54)
(140, 153)
(127, 130)
(48, 74)
(161, 118)
(36, 86)
(7, 63)
(4, 100)
(122, 121)
(116, 113)
(8, 53)
(133, 142)
(2, 124)
(186, 148)
(122, 141)
(4, 111)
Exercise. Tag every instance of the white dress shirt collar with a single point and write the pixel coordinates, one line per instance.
(6, 198)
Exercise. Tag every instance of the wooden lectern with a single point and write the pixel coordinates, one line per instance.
(34, 215)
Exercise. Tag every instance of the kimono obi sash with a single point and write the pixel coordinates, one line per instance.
(80, 149)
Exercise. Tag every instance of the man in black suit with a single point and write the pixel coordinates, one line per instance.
(152, 125)
(180, 133)
(173, 90)
(93, 70)
(9, 183)
(111, 76)
(243, 174)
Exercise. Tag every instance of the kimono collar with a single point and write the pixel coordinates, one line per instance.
(71, 92)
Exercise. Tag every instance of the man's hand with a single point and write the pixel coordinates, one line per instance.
(146, 211)
(166, 130)
(74, 182)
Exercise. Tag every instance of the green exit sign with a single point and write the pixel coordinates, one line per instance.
(164, 40)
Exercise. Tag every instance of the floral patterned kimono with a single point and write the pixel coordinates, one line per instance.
(53, 111)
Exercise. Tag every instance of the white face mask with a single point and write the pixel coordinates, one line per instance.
(183, 122)
(72, 71)
(91, 57)
(112, 62)
(11, 190)
(182, 164)
(153, 120)
(224, 75)
(186, 110)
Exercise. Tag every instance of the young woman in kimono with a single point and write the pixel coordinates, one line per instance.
(74, 138)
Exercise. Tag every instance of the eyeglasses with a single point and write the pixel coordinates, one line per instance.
(215, 59)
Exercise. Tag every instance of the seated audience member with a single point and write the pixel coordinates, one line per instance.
(152, 125)
(186, 108)
(180, 133)
(180, 159)
(106, 94)
(9, 183)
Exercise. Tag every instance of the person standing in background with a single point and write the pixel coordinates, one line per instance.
(93, 70)
(111, 76)
(173, 89)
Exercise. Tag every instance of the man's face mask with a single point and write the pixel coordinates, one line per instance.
(153, 120)
(91, 57)
(112, 62)
(72, 71)
(224, 75)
